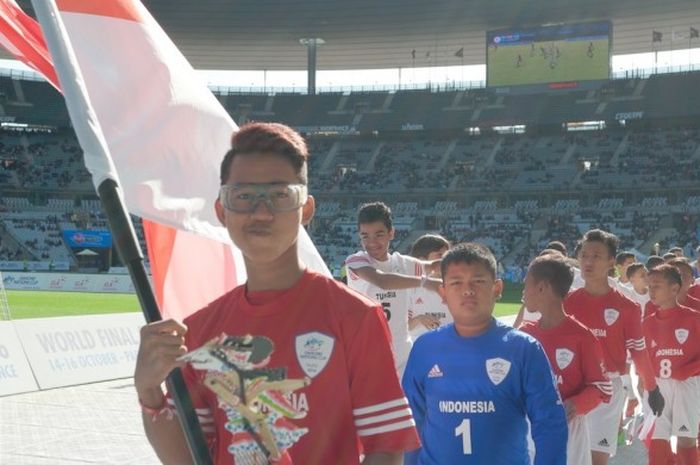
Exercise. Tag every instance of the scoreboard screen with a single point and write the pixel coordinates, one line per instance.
(548, 54)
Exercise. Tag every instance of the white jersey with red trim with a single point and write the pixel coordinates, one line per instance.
(427, 302)
(396, 303)
(641, 299)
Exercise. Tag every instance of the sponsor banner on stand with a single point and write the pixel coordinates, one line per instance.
(65, 351)
(83, 238)
(71, 282)
(15, 373)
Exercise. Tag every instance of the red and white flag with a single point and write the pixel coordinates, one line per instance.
(22, 37)
(166, 134)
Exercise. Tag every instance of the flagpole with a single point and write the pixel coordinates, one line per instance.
(92, 141)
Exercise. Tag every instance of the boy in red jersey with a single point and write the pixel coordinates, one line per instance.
(574, 352)
(614, 320)
(684, 297)
(673, 340)
(286, 324)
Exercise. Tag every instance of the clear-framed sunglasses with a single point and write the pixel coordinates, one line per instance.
(279, 197)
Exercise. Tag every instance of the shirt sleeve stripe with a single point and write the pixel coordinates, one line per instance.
(401, 402)
(406, 412)
(604, 387)
(387, 428)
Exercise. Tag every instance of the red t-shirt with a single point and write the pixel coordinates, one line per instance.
(577, 358)
(322, 330)
(694, 291)
(614, 320)
(673, 341)
(692, 303)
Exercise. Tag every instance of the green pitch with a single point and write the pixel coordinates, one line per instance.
(37, 304)
(556, 61)
(510, 302)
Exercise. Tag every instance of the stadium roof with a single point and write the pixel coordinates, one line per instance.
(366, 34)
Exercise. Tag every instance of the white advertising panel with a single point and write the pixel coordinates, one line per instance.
(15, 373)
(71, 282)
(65, 351)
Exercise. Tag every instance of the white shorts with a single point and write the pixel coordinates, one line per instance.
(604, 420)
(627, 386)
(578, 449)
(681, 413)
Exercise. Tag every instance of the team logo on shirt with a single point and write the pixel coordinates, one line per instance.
(563, 357)
(681, 335)
(611, 315)
(497, 369)
(313, 350)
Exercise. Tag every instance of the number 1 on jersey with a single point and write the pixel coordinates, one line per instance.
(465, 430)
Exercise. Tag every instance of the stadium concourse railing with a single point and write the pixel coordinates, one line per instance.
(634, 73)
(442, 86)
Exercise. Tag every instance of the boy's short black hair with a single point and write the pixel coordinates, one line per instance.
(622, 257)
(610, 240)
(268, 138)
(555, 270)
(668, 256)
(633, 268)
(653, 261)
(682, 264)
(427, 244)
(669, 273)
(469, 253)
(374, 212)
(559, 246)
(546, 252)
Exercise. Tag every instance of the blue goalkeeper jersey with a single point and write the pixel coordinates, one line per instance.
(471, 397)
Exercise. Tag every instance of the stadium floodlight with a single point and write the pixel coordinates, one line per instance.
(311, 45)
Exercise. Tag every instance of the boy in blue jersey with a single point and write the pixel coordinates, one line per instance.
(473, 384)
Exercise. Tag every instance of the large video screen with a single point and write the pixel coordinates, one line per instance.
(548, 54)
